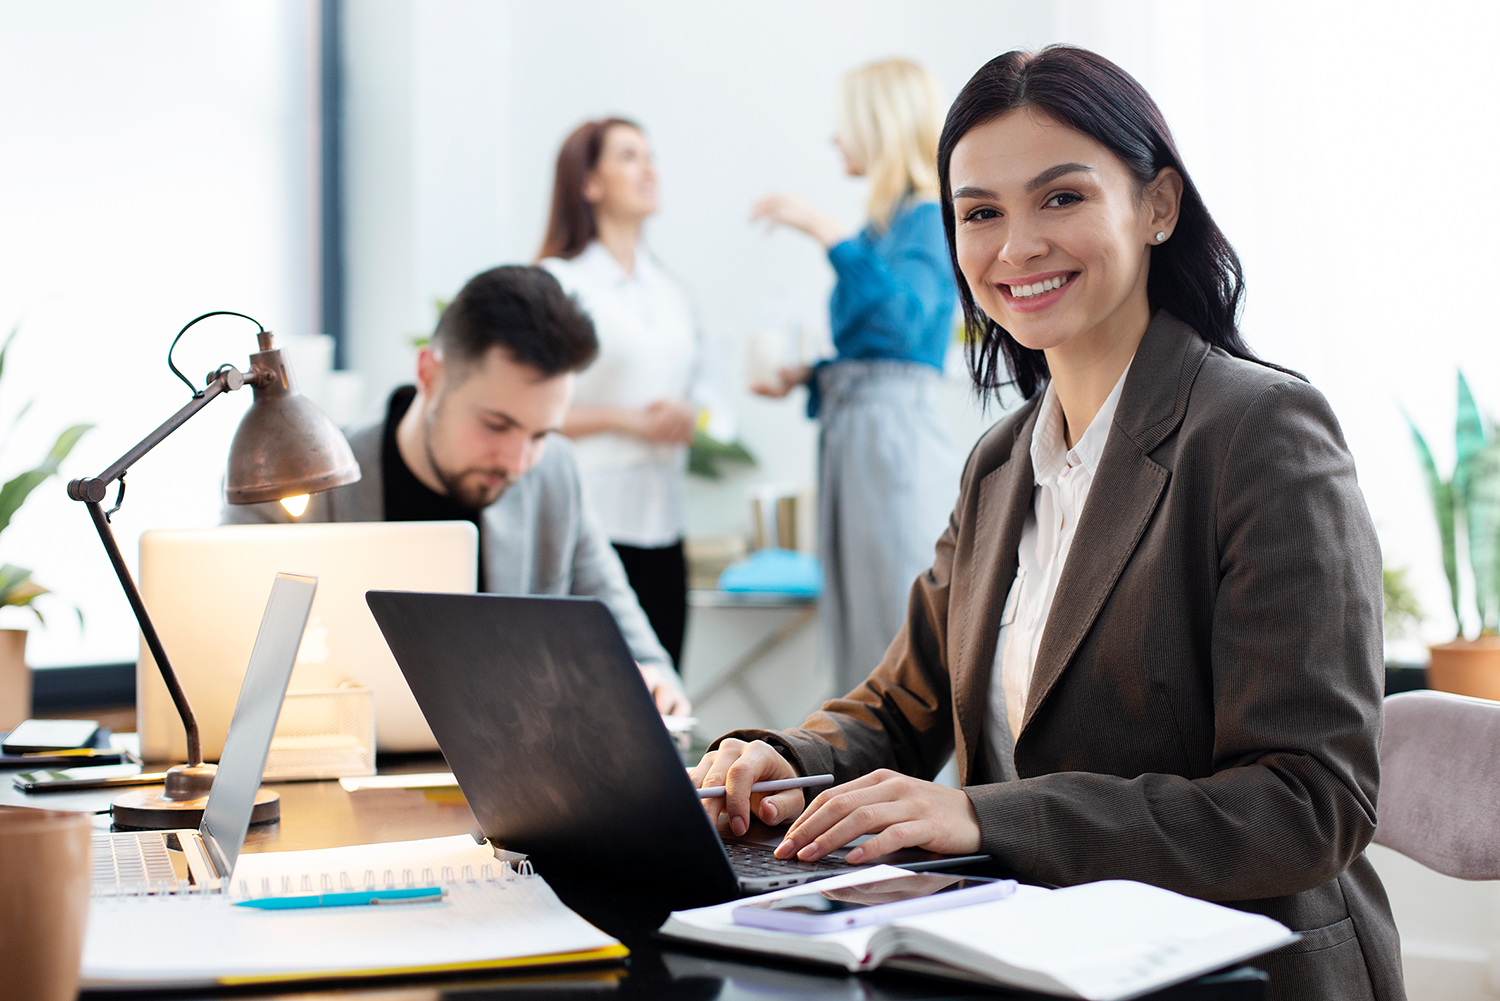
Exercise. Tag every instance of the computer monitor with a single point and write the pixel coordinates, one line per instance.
(206, 588)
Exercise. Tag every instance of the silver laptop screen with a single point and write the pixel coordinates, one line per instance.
(226, 817)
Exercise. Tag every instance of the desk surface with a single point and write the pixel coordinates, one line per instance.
(323, 815)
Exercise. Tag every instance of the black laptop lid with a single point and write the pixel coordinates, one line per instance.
(549, 729)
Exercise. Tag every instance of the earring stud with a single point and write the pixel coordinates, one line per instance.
(1160, 235)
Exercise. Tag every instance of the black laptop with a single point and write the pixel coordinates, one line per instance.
(558, 747)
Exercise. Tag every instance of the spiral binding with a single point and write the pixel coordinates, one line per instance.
(502, 873)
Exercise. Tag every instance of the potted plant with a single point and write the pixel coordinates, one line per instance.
(17, 589)
(1467, 505)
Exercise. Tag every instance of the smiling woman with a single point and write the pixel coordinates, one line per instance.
(1151, 633)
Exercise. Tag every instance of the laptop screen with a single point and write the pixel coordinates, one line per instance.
(226, 817)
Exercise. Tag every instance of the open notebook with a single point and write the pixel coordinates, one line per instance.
(1103, 941)
(491, 917)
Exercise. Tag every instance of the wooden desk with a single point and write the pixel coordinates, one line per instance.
(323, 815)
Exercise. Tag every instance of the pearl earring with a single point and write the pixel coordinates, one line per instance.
(1160, 236)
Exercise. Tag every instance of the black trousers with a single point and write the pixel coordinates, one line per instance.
(659, 579)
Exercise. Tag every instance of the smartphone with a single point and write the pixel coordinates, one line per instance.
(34, 735)
(870, 903)
(95, 777)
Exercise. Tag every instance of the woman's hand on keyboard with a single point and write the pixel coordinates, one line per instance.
(738, 765)
(900, 811)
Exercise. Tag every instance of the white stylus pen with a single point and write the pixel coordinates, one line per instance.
(775, 785)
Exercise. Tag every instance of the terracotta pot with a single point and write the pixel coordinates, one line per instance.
(15, 678)
(1466, 667)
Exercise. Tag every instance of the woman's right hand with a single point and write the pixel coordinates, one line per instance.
(787, 380)
(738, 765)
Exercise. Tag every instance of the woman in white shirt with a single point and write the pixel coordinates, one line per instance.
(632, 416)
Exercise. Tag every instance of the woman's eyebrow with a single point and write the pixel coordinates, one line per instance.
(1053, 173)
(1045, 177)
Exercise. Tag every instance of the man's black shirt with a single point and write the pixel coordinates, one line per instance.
(407, 498)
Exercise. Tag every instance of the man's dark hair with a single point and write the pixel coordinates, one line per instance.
(522, 310)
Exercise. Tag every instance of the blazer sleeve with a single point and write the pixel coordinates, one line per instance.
(1296, 695)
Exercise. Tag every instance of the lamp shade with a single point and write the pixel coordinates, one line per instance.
(284, 445)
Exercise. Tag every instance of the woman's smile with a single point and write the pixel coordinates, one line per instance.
(1032, 293)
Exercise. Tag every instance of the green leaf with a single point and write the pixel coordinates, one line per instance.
(18, 488)
(1468, 438)
(1443, 505)
(708, 452)
(1482, 518)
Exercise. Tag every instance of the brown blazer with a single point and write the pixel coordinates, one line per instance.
(1205, 710)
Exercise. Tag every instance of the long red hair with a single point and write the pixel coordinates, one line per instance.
(571, 224)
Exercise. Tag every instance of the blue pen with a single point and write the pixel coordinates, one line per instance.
(409, 895)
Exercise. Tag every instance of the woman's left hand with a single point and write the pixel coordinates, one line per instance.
(798, 213)
(900, 811)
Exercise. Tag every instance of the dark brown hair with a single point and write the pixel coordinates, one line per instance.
(523, 311)
(1195, 275)
(571, 224)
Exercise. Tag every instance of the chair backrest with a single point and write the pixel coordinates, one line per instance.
(1440, 782)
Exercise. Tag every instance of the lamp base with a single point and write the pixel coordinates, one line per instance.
(151, 810)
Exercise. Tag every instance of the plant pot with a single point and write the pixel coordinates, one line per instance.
(15, 678)
(1466, 667)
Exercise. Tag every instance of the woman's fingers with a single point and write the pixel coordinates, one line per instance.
(867, 818)
(906, 834)
(900, 811)
(737, 766)
(777, 807)
(829, 808)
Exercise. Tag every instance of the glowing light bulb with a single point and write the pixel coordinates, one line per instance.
(295, 505)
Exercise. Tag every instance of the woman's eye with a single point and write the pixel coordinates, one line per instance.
(981, 214)
(1063, 199)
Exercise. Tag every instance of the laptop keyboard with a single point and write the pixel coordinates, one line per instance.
(131, 863)
(758, 860)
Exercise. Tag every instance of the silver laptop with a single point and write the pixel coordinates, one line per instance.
(205, 586)
(202, 860)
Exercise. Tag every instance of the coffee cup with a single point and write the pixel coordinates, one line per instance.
(44, 902)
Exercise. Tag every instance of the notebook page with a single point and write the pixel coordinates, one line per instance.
(1111, 939)
(216, 941)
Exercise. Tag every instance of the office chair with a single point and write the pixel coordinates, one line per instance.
(1440, 782)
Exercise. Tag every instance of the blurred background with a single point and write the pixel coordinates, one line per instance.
(336, 168)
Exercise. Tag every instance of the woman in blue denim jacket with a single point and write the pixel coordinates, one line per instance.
(887, 474)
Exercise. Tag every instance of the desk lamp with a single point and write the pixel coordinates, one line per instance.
(284, 448)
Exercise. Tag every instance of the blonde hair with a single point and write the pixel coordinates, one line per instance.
(889, 119)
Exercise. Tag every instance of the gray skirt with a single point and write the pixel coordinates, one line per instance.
(887, 482)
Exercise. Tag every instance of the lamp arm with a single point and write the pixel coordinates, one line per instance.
(225, 380)
(148, 630)
(92, 490)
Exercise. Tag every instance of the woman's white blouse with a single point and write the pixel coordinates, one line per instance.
(648, 350)
(1063, 477)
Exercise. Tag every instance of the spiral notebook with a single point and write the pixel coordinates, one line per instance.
(492, 915)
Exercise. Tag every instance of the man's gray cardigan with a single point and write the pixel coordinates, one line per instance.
(537, 538)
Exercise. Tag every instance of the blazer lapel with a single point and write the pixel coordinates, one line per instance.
(1004, 500)
(1128, 486)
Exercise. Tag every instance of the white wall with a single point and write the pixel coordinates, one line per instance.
(159, 162)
